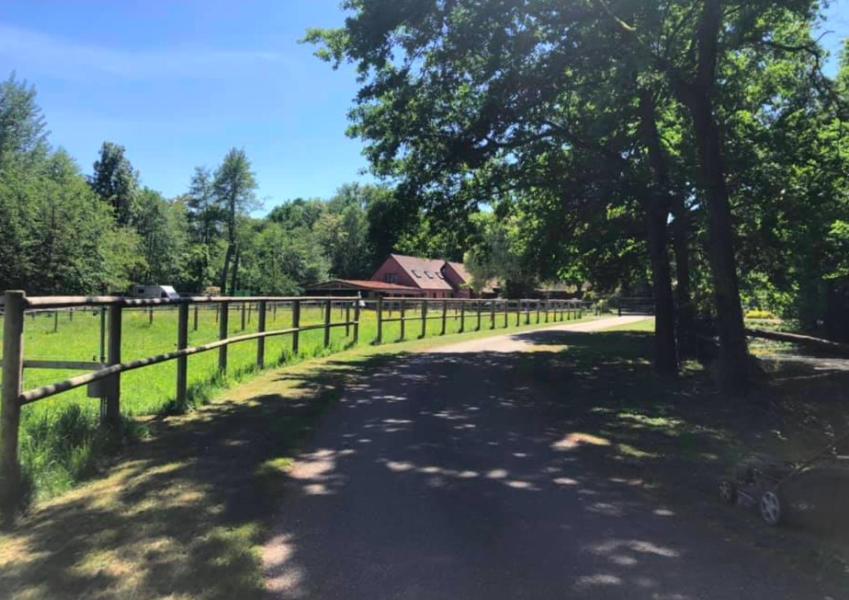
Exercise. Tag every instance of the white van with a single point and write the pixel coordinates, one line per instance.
(155, 291)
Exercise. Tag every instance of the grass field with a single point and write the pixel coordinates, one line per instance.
(61, 442)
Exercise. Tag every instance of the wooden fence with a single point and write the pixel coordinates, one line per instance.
(104, 377)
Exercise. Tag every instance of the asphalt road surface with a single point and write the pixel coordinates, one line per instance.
(441, 477)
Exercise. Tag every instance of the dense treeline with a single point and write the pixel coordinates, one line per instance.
(692, 148)
(67, 232)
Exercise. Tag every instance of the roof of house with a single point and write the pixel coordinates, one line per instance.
(364, 284)
(426, 272)
(461, 270)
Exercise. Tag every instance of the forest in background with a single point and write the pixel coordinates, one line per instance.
(65, 231)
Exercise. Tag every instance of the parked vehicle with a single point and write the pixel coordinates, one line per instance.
(155, 291)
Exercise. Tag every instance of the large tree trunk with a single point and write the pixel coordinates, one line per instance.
(686, 311)
(696, 96)
(234, 281)
(733, 351)
(656, 208)
(224, 271)
(665, 355)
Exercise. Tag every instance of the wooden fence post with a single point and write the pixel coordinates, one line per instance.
(357, 321)
(506, 312)
(244, 310)
(150, 315)
(183, 361)
(55, 321)
(538, 307)
(10, 409)
(444, 315)
(478, 310)
(296, 323)
(274, 312)
(424, 318)
(223, 332)
(195, 318)
(379, 339)
(462, 316)
(328, 306)
(347, 319)
(113, 357)
(403, 318)
(260, 341)
(518, 312)
(492, 314)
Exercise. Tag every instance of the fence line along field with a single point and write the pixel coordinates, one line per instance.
(61, 439)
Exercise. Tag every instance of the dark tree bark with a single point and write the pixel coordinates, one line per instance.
(234, 281)
(224, 271)
(656, 209)
(665, 355)
(696, 96)
(686, 311)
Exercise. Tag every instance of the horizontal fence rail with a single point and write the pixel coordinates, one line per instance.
(104, 376)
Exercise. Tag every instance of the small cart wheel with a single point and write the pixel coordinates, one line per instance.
(727, 491)
(771, 508)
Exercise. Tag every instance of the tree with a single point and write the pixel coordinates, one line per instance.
(234, 186)
(23, 131)
(115, 181)
(162, 228)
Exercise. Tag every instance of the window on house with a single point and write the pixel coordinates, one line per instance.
(416, 273)
(390, 277)
(429, 274)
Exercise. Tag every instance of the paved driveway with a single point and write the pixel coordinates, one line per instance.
(445, 475)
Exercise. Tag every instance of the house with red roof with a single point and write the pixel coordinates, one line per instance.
(410, 276)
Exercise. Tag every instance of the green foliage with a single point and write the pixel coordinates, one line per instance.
(115, 181)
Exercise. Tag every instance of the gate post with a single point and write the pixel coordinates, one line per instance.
(444, 315)
(328, 306)
(260, 342)
(223, 332)
(113, 357)
(182, 343)
(10, 409)
(296, 324)
(379, 339)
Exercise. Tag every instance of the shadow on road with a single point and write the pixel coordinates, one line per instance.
(495, 475)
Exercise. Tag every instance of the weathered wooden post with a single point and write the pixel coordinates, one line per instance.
(462, 316)
(296, 324)
(244, 310)
(274, 312)
(347, 319)
(357, 321)
(55, 321)
(492, 314)
(113, 357)
(260, 341)
(183, 361)
(478, 310)
(403, 308)
(71, 314)
(250, 311)
(424, 318)
(444, 315)
(518, 312)
(223, 332)
(379, 338)
(10, 408)
(506, 312)
(195, 319)
(538, 310)
(150, 315)
(328, 315)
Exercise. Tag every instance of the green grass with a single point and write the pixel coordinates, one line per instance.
(61, 442)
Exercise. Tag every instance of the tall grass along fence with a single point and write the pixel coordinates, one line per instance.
(232, 316)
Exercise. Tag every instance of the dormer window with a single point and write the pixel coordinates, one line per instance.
(416, 273)
(428, 274)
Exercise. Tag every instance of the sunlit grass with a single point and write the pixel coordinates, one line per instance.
(61, 441)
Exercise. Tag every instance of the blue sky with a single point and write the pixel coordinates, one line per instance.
(179, 83)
